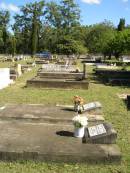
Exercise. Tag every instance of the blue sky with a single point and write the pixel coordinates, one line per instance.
(92, 11)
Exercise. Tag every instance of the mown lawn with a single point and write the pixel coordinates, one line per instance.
(114, 111)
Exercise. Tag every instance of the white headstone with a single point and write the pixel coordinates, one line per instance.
(4, 77)
(19, 70)
(92, 105)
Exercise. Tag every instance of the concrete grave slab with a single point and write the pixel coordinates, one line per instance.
(43, 113)
(60, 75)
(50, 142)
(57, 83)
(91, 115)
(45, 133)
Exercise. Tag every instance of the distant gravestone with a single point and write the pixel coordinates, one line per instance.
(4, 77)
(100, 134)
(19, 70)
(128, 102)
(58, 68)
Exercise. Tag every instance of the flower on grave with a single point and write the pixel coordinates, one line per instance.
(78, 103)
(80, 121)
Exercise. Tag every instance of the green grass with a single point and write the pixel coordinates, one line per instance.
(114, 111)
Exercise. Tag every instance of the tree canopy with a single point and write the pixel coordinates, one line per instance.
(55, 27)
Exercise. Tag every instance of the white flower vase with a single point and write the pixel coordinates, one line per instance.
(79, 132)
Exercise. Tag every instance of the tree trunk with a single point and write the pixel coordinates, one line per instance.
(34, 36)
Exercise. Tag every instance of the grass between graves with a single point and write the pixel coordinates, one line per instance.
(114, 110)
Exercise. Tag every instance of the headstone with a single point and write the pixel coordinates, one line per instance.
(126, 59)
(19, 70)
(4, 77)
(58, 68)
(90, 106)
(100, 134)
(85, 71)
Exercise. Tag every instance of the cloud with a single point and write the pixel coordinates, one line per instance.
(127, 9)
(10, 7)
(92, 1)
(125, 0)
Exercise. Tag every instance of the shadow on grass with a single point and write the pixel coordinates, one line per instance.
(65, 133)
(68, 109)
(113, 83)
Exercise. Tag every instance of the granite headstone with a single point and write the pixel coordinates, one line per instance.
(100, 134)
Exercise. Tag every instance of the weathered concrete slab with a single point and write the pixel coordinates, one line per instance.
(94, 117)
(42, 61)
(43, 113)
(57, 83)
(50, 142)
(60, 75)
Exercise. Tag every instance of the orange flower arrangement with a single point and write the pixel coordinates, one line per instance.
(78, 100)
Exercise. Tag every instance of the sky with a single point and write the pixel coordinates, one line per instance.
(92, 11)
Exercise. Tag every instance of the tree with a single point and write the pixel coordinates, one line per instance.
(121, 25)
(53, 15)
(121, 43)
(4, 22)
(13, 45)
(69, 46)
(28, 24)
(62, 19)
(98, 37)
(70, 13)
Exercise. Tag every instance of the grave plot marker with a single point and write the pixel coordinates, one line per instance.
(4, 77)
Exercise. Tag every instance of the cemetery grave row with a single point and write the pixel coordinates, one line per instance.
(59, 76)
(9, 75)
(57, 59)
(10, 58)
(96, 59)
(46, 133)
(114, 77)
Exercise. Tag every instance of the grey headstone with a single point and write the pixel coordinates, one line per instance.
(90, 106)
(100, 134)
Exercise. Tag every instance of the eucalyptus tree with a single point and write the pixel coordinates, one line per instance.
(28, 24)
(53, 29)
(62, 19)
(53, 14)
(70, 14)
(4, 23)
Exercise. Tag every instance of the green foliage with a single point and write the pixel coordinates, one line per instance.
(68, 45)
(13, 45)
(70, 13)
(4, 35)
(98, 37)
(53, 14)
(55, 27)
(120, 43)
(121, 25)
(27, 26)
